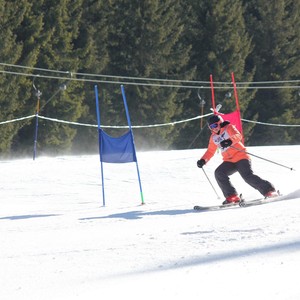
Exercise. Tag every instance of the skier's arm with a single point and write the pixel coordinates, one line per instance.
(211, 150)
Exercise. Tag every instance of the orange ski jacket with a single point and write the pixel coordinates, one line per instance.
(229, 154)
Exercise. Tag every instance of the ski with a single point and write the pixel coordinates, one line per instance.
(248, 203)
(244, 203)
(216, 207)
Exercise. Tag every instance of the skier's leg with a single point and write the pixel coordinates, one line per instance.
(222, 174)
(245, 169)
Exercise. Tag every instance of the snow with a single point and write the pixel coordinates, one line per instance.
(59, 242)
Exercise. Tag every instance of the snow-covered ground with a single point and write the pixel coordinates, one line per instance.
(59, 242)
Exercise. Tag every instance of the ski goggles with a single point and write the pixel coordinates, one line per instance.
(213, 126)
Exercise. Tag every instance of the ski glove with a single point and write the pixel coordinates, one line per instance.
(201, 163)
(226, 143)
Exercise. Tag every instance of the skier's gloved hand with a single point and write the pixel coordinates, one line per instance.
(201, 163)
(226, 143)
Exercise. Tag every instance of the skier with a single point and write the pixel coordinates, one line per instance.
(228, 139)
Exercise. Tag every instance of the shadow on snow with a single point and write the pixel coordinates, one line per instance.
(23, 217)
(135, 215)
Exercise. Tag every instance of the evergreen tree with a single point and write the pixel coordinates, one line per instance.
(275, 30)
(13, 95)
(221, 45)
(145, 40)
(92, 39)
(56, 52)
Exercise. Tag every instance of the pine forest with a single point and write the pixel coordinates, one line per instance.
(53, 53)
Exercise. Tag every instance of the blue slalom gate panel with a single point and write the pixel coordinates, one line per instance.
(116, 149)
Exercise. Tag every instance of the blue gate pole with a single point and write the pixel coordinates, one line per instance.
(129, 124)
(100, 142)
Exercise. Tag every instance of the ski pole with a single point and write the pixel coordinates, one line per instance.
(271, 161)
(210, 183)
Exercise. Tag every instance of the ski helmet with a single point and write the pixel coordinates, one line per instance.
(214, 122)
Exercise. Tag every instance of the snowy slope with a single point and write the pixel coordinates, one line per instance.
(59, 242)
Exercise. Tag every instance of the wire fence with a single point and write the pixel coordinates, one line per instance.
(34, 72)
(139, 126)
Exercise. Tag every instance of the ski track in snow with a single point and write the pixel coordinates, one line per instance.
(59, 242)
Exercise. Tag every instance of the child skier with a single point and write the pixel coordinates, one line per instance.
(228, 139)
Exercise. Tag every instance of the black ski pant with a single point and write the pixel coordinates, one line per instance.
(243, 166)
